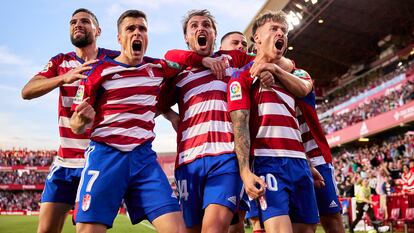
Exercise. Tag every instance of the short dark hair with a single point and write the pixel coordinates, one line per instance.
(275, 16)
(193, 13)
(228, 34)
(132, 14)
(88, 12)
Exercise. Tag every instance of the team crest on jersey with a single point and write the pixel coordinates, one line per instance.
(86, 202)
(47, 66)
(235, 91)
(300, 73)
(79, 94)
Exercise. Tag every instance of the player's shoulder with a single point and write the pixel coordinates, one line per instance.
(103, 52)
(64, 56)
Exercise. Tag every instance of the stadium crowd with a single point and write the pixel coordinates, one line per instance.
(19, 200)
(362, 85)
(26, 157)
(22, 177)
(369, 109)
(389, 166)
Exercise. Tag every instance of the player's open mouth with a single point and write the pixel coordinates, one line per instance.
(202, 40)
(136, 46)
(279, 44)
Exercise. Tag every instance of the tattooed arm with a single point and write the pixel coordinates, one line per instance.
(253, 185)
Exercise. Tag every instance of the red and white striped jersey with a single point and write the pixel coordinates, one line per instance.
(407, 182)
(72, 146)
(274, 128)
(316, 146)
(205, 128)
(124, 98)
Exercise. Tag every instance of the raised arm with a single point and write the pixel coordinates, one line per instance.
(40, 85)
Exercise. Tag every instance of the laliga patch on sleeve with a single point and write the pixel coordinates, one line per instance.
(47, 66)
(300, 73)
(235, 91)
(79, 94)
(172, 64)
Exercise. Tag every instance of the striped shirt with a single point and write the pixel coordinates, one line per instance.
(124, 98)
(274, 128)
(72, 146)
(205, 128)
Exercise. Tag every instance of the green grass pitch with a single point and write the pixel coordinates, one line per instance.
(26, 224)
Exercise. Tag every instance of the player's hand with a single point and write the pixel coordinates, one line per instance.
(253, 185)
(85, 112)
(77, 73)
(259, 67)
(217, 65)
(266, 79)
(318, 180)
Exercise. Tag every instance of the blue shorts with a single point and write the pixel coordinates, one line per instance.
(208, 180)
(111, 175)
(327, 197)
(61, 185)
(253, 211)
(289, 190)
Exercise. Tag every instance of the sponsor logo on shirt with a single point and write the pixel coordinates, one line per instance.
(235, 91)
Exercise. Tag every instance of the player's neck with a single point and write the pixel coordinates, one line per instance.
(87, 53)
(122, 58)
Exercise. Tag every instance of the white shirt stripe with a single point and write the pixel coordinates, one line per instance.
(273, 109)
(206, 148)
(279, 153)
(144, 100)
(310, 145)
(202, 128)
(67, 101)
(131, 82)
(285, 98)
(193, 76)
(134, 132)
(73, 143)
(64, 122)
(121, 117)
(205, 106)
(279, 132)
(215, 85)
(74, 84)
(70, 64)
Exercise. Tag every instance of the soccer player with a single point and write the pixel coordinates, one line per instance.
(64, 71)
(265, 125)
(319, 155)
(234, 40)
(119, 99)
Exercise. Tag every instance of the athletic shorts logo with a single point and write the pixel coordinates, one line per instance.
(79, 95)
(86, 202)
(235, 91)
(232, 199)
(333, 204)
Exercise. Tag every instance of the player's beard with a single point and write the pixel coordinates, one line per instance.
(82, 41)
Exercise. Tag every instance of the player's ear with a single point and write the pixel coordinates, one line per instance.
(98, 31)
(256, 38)
(119, 38)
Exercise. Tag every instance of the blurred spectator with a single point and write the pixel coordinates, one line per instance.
(26, 157)
(20, 200)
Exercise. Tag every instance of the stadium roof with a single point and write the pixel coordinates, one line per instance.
(350, 33)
